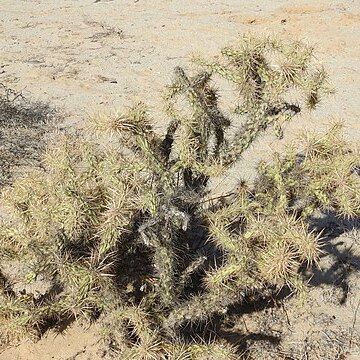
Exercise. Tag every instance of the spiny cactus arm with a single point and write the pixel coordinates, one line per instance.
(19, 199)
(185, 277)
(298, 69)
(192, 133)
(296, 61)
(330, 163)
(202, 97)
(153, 158)
(227, 223)
(277, 262)
(316, 86)
(134, 121)
(116, 168)
(222, 237)
(222, 277)
(14, 240)
(165, 264)
(18, 320)
(262, 86)
(223, 70)
(207, 117)
(201, 307)
(188, 169)
(135, 131)
(177, 351)
(308, 244)
(47, 208)
(274, 187)
(250, 62)
(295, 67)
(158, 233)
(213, 351)
(249, 77)
(132, 333)
(85, 282)
(253, 128)
(114, 221)
(281, 244)
(318, 174)
(167, 143)
(61, 156)
(149, 348)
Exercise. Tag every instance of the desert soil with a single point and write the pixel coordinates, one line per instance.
(86, 56)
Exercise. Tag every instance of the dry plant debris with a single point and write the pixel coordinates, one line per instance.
(23, 124)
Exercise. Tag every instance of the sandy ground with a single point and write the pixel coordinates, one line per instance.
(86, 56)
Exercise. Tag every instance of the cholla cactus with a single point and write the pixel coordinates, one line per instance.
(133, 335)
(265, 72)
(127, 229)
(322, 174)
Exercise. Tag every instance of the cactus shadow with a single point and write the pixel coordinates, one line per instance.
(341, 257)
(224, 327)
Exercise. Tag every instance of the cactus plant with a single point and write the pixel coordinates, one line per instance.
(129, 231)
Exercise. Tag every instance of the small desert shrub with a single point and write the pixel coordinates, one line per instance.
(23, 124)
(130, 231)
